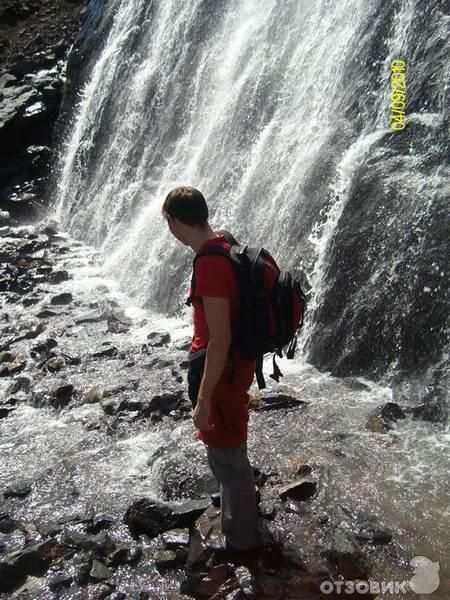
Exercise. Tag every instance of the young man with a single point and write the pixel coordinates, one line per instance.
(221, 411)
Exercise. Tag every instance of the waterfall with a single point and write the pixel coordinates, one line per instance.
(279, 113)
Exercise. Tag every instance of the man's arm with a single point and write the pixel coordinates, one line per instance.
(217, 313)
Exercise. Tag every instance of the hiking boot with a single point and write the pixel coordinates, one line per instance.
(248, 557)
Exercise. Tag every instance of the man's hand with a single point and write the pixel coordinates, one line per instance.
(200, 416)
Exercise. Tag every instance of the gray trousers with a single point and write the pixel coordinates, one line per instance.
(239, 516)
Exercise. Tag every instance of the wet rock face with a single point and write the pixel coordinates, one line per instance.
(28, 27)
(385, 301)
(34, 41)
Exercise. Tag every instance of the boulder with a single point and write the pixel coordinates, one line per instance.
(373, 536)
(118, 322)
(166, 559)
(302, 489)
(59, 581)
(348, 559)
(7, 523)
(175, 538)
(123, 554)
(383, 416)
(55, 364)
(99, 571)
(149, 517)
(62, 396)
(275, 401)
(64, 298)
(154, 517)
(158, 339)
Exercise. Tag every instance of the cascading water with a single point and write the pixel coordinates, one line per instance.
(279, 113)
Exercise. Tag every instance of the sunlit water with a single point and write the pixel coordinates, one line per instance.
(400, 477)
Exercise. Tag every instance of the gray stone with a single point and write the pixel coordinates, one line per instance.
(99, 571)
(382, 417)
(64, 298)
(149, 517)
(175, 538)
(348, 559)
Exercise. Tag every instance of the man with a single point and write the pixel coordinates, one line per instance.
(221, 411)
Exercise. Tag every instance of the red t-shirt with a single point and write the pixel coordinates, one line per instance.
(215, 277)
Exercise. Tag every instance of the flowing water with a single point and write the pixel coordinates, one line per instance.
(279, 113)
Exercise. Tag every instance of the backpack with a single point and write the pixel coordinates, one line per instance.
(272, 305)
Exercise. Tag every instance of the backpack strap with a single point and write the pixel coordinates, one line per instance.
(259, 372)
(276, 370)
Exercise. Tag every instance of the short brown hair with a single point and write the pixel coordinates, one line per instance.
(186, 204)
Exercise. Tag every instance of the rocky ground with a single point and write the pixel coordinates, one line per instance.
(55, 347)
(35, 38)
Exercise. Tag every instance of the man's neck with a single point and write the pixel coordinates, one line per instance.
(201, 236)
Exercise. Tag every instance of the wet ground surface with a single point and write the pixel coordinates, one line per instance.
(95, 417)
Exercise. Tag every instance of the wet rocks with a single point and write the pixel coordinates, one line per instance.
(205, 538)
(99, 544)
(99, 571)
(19, 490)
(64, 298)
(5, 410)
(302, 489)
(108, 351)
(54, 364)
(7, 523)
(95, 394)
(32, 560)
(11, 368)
(179, 482)
(433, 403)
(168, 559)
(346, 557)
(271, 401)
(118, 322)
(373, 536)
(32, 66)
(149, 517)
(153, 517)
(175, 538)
(384, 416)
(56, 277)
(123, 554)
(432, 411)
(267, 510)
(158, 339)
(165, 403)
(186, 513)
(62, 396)
(60, 581)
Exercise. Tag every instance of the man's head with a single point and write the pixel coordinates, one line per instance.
(186, 212)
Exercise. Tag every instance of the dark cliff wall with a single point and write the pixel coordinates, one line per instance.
(35, 39)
